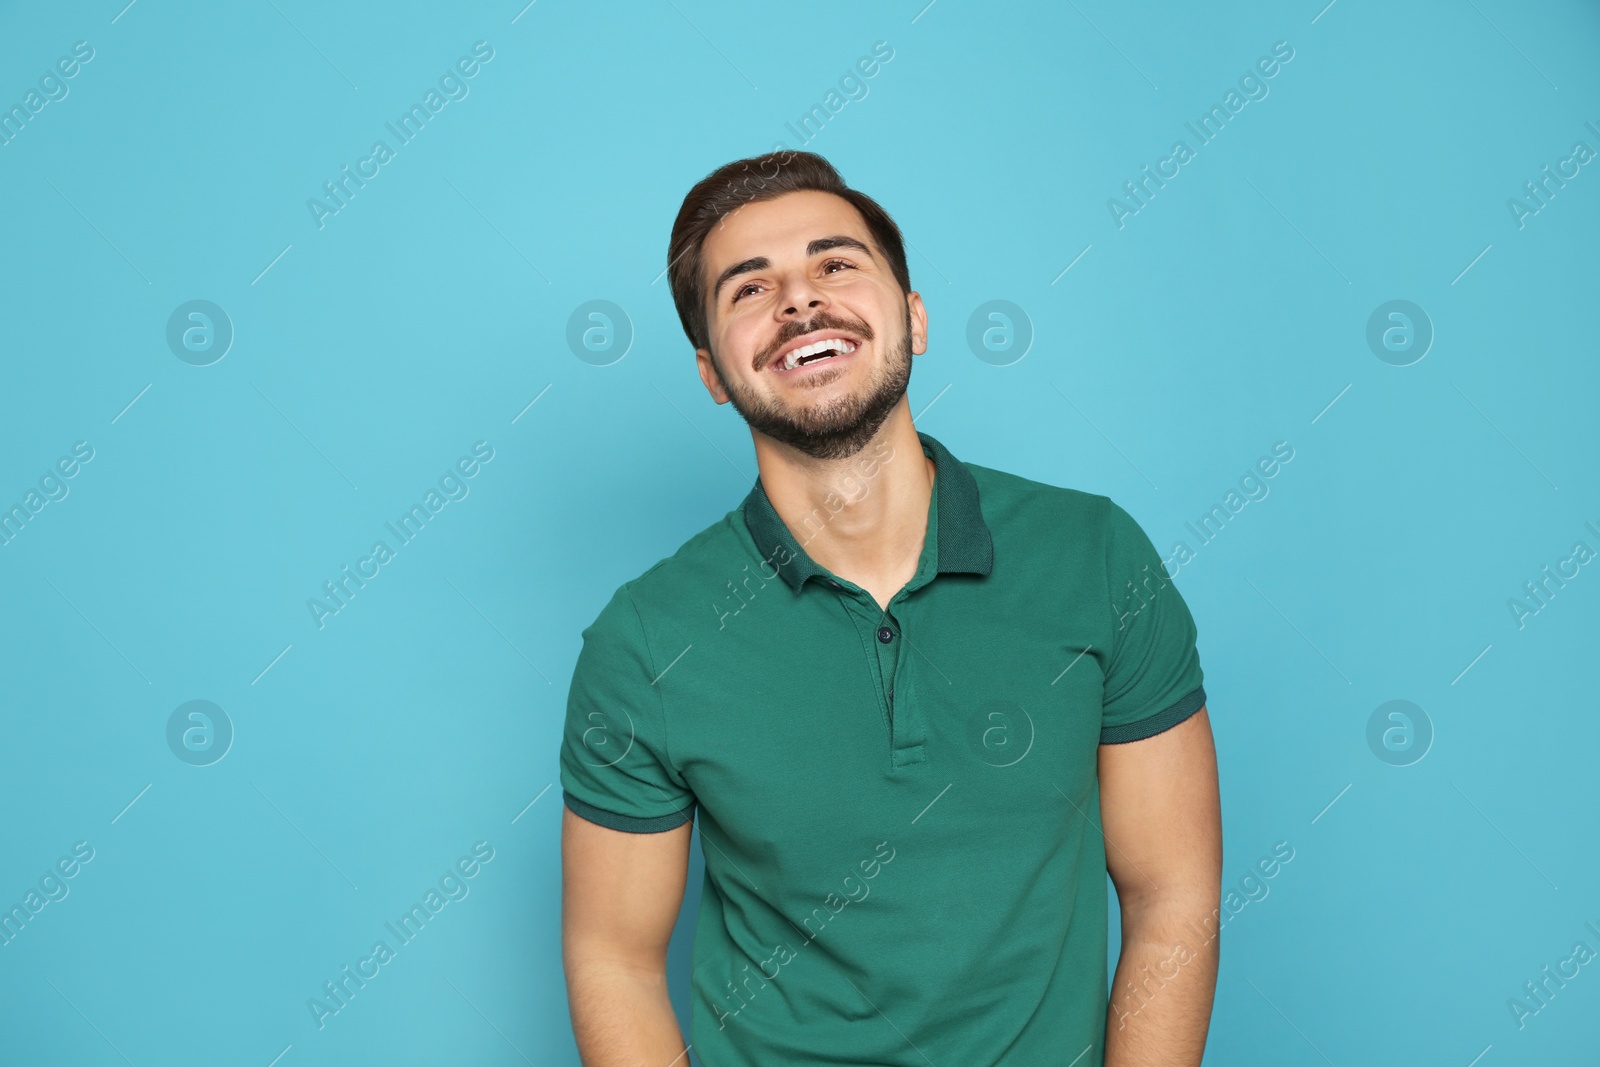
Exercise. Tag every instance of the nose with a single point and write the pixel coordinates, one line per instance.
(800, 298)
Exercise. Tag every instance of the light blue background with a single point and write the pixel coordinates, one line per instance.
(371, 353)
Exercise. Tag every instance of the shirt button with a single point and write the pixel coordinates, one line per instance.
(885, 634)
(835, 584)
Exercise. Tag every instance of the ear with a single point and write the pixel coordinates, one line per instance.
(708, 375)
(919, 322)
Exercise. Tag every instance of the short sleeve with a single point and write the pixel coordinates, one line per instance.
(1153, 678)
(615, 765)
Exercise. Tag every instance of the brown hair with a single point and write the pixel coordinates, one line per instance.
(744, 181)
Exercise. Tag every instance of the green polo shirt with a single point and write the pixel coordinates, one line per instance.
(899, 807)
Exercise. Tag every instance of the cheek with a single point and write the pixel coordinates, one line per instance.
(883, 309)
(741, 340)
(736, 344)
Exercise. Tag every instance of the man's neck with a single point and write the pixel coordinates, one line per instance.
(864, 518)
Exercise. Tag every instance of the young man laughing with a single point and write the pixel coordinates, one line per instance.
(919, 707)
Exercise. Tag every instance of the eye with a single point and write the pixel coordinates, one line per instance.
(740, 291)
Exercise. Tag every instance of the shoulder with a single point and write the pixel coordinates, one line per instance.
(1056, 524)
(1011, 499)
(696, 571)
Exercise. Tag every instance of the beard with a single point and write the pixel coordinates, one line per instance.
(837, 429)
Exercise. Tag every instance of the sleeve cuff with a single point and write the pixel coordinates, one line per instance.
(1157, 723)
(632, 824)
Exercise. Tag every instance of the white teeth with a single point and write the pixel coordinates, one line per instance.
(836, 344)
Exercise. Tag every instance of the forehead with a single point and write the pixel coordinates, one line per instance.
(779, 228)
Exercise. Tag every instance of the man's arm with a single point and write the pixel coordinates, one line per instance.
(1162, 817)
(620, 895)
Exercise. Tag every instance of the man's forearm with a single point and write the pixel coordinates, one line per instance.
(624, 1018)
(1166, 979)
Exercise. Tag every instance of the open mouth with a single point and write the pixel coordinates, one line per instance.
(817, 352)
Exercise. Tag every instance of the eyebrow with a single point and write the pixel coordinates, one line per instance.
(755, 263)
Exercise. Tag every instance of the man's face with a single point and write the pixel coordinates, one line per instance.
(794, 271)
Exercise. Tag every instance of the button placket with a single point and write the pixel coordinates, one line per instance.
(909, 731)
(887, 662)
(866, 620)
(886, 658)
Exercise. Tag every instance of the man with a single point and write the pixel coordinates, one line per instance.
(919, 706)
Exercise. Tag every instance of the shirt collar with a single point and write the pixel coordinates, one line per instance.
(964, 542)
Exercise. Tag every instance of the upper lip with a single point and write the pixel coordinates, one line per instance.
(810, 339)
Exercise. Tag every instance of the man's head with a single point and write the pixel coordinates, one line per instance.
(775, 254)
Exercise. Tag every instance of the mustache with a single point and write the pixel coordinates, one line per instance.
(822, 321)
